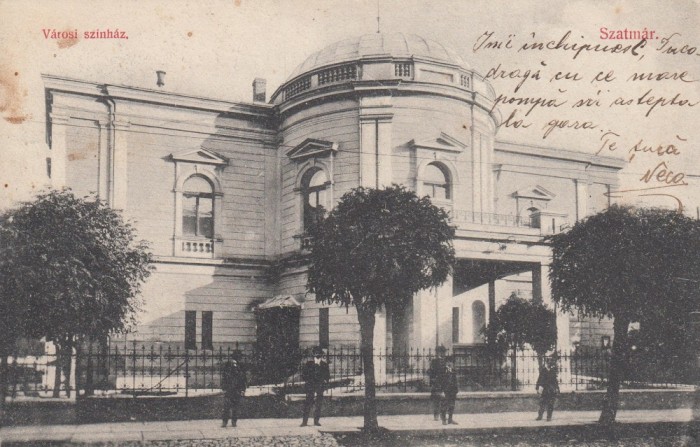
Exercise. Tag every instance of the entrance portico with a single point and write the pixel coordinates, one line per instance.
(487, 272)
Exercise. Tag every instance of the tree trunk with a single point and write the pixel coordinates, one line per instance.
(617, 364)
(58, 370)
(514, 366)
(68, 357)
(366, 319)
(3, 382)
(78, 368)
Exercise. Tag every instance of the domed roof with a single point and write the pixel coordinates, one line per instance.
(377, 44)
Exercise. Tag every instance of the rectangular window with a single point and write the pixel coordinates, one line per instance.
(323, 328)
(207, 330)
(402, 70)
(455, 325)
(190, 329)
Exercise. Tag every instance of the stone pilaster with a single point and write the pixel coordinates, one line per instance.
(119, 151)
(59, 124)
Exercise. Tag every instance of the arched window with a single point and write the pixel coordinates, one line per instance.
(198, 207)
(436, 182)
(478, 321)
(534, 215)
(314, 190)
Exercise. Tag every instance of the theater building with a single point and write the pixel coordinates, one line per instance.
(224, 190)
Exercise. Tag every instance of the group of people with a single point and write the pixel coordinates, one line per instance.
(315, 375)
(443, 387)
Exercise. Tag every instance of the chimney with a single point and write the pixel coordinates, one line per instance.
(160, 74)
(259, 94)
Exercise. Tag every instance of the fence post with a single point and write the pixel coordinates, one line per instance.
(513, 370)
(133, 370)
(88, 373)
(187, 371)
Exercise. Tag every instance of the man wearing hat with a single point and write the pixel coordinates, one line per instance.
(436, 373)
(233, 382)
(315, 375)
(549, 383)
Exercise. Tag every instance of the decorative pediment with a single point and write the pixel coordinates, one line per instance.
(201, 156)
(312, 147)
(444, 142)
(535, 193)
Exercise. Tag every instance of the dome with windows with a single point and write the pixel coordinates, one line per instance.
(379, 45)
(394, 57)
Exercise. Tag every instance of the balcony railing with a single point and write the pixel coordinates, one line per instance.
(504, 220)
(194, 247)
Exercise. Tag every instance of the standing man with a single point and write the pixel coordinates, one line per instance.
(315, 375)
(450, 388)
(436, 373)
(550, 387)
(233, 382)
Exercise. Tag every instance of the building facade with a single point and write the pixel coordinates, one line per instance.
(224, 190)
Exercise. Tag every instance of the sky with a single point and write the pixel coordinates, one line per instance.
(216, 48)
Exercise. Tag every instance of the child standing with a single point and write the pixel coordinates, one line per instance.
(450, 388)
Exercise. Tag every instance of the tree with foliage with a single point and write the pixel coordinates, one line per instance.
(378, 247)
(11, 312)
(71, 270)
(632, 265)
(518, 322)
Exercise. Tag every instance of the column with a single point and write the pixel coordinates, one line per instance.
(104, 169)
(487, 197)
(476, 173)
(537, 284)
(492, 306)
(385, 172)
(119, 151)
(444, 313)
(541, 292)
(581, 199)
(379, 340)
(375, 141)
(424, 320)
(432, 317)
(368, 153)
(59, 125)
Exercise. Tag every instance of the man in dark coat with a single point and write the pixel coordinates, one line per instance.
(549, 383)
(315, 375)
(233, 382)
(436, 373)
(450, 387)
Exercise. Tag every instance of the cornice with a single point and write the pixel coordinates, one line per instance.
(560, 154)
(392, 87)
(57, 83)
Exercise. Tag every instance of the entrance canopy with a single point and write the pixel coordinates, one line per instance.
(283, 301)
(471, 273)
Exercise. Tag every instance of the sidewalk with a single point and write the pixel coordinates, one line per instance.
(418, 424)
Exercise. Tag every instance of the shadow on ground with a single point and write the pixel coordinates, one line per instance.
(627, 435)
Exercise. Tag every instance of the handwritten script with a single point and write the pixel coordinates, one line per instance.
(602, 92)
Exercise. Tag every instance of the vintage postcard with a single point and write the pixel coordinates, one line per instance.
(223, 129)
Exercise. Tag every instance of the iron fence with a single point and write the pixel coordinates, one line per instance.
(138, 369)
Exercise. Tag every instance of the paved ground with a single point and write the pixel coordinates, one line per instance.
(288, 432)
